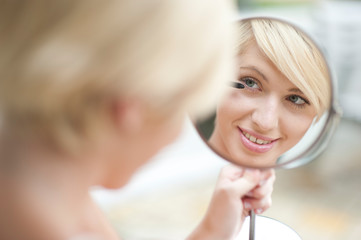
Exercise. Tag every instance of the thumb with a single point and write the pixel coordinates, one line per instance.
(249, 180)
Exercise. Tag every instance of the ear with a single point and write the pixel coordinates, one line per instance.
(128, 115)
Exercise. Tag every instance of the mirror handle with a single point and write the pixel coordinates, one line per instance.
(252, 224)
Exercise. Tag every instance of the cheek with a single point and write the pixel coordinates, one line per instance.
(296, 133)
(232, 109)
(168, 131)
(157, 136)
(172, 132)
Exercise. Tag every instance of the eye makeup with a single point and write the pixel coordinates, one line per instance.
(251, 83)
(293, 99)
(296, 99)
(237, 85)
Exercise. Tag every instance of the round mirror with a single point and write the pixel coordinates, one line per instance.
(282, 108)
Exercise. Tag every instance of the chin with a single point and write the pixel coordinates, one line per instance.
(115, 184)
(116, 181)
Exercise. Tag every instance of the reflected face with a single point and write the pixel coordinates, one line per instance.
(269, 116)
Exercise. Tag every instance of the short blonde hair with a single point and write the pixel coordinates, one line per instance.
(294, 54)
(62, 60)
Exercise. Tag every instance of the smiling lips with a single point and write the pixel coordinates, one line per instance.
(256, 143)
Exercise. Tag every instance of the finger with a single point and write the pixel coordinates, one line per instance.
(249, 180)
(261, 191)
(265, 186)
(231, 172)
(258, 205)
(267, 174)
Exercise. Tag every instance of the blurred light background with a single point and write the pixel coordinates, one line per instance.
(320, 200)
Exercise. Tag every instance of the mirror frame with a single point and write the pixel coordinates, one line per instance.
(334, 113)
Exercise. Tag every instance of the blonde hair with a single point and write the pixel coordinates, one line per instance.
(62, 61)
(293, 53)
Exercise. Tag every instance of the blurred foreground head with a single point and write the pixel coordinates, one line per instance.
(63, 63)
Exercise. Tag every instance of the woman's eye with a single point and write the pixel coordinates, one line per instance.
(297, 100)
(249, 82)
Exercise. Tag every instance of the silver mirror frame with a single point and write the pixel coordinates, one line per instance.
(333, 116)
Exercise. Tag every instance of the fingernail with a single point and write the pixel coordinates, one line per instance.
(249, 194)
(247, 205)
(261, 183)
(248, 170)
(259, 210)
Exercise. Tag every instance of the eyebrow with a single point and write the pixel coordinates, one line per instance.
(295, 90)
(256, 70)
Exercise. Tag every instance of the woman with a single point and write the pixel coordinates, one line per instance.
(286, 88)
(89, 91)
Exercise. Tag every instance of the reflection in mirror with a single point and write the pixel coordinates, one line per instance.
(278, 110)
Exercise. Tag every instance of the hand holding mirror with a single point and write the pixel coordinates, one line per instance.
(282, 108)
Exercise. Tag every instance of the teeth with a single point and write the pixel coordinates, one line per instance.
(255, 140)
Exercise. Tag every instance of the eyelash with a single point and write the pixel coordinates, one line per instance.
(244, 79)
(297, 106)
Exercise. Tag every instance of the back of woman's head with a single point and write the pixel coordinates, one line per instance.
(62, 61)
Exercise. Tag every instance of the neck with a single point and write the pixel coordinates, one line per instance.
(53, 189)
(31, 161)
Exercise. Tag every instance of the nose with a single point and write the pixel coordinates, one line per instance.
(266, 115)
